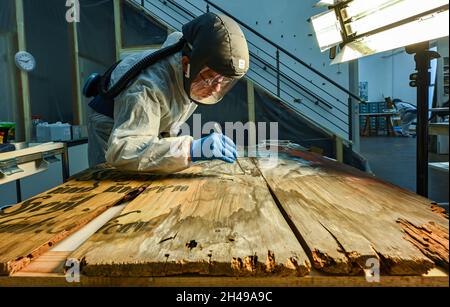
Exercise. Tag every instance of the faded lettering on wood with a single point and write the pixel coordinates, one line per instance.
(33, 226)
(212, 219)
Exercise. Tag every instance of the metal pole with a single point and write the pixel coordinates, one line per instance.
(353, 110)
(423, 82)
(18, 191)
(350, 119)
(278, 73)
(65, 163)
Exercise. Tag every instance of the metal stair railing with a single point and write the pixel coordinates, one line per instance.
(282, 85)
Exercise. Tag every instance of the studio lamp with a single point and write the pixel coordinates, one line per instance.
(361, 27)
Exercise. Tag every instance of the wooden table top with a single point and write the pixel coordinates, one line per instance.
(295, 219)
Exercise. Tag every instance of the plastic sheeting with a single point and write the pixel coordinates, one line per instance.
(96, 41)
(8, 101)
(139, 29)
(290, 125)
(47, 38)
(96, 36)
(234, 108)
(7, 15)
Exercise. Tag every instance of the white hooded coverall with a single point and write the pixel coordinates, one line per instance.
(408, 113)
(155, 105)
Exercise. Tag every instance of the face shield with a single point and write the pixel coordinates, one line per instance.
(218, 57)
(209, 87)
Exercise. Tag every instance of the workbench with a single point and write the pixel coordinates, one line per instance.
(29, 159)
(367, 131)
(291, 219)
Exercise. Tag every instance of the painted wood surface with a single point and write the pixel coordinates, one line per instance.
(30, 228)
(345, 217)
(212, 219)
(258, 218)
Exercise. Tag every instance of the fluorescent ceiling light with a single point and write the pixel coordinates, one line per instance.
(366, 16)
(328, 30)
(357, 8)
(427, 28)
(325, 3)
(372, 26)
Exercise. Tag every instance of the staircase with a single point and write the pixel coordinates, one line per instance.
(304, 89)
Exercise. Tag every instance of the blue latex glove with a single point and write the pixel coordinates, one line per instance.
(214, 146)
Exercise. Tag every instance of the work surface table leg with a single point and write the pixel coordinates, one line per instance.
(390, 127)
(18, 191)
(366, 131)
(65, 164)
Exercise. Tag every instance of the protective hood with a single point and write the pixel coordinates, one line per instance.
(218, 56)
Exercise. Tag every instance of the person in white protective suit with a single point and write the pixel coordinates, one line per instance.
(138, 131)
(408, 114)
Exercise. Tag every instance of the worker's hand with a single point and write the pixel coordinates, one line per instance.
(214, 146)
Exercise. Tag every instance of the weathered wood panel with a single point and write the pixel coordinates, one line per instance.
(39, 278)
(33, 226)
(211, 219)
(430, 238)
(345, 216)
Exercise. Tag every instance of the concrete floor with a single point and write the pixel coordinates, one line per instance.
(394, 159)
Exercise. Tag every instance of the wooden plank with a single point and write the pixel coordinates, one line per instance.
(345, 216)
(48, 263)
(41, 148)
(312, 280)
(29, 169)
(30, 228)
(53, 261)
(118, 27)
(339, 145)
(24, 86)
(438, 129)
(251, 113)
(212, 219)
(430, 239)
(48, 270)
(79, 114)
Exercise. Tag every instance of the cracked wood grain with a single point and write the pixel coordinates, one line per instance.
(32, 227)
(346, 217)
(223, 223)
(431, 239)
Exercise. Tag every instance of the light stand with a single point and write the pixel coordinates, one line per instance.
(423, 57)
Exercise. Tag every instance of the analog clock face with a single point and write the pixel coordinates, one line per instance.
(25, 61)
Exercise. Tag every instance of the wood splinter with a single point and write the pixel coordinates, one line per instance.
(431, 239)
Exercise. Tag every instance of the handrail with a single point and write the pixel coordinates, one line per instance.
(293, 109)
(301, 89)
(270, 42)
(318, 98)
(284, 51)
(180, 8)
(281, 74)
(299, 75)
